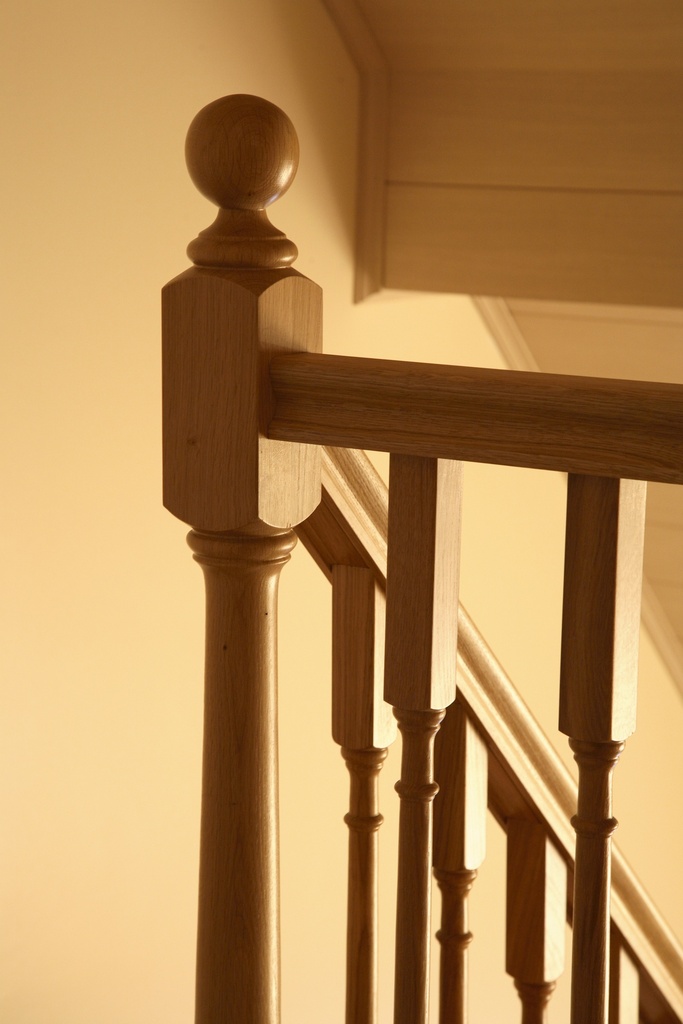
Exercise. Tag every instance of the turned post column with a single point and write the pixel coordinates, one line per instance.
(598, 680)
(241, 493)
(461, 769)
(363, 726)
(536, 911)
(423, 562)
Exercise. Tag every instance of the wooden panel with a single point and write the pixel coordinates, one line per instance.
(566, 129)
(373, 123)
(672, 599)
(534, 34)
(664, 554)
(633, 347)
(665, 505)
(575, 246)
(604, 427)
(663, 565)
(653, 315)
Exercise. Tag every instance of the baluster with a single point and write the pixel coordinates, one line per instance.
(241, 493)
(598, 678)
(421, 642)
(461, 769)
(535, 916)
(362, 724)
(624, 985)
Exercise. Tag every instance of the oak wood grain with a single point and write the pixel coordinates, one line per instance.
(423, 564)
(349, 525)
(603, 578)
(361, 719)
(238, 968)
(526, 776)
(460, 807)
(454, 939)
(535, 915)
(221, 321)
(241, 492)
(242, 153)
(594, 826)
(598, 681)
(421, 644)
(598, 426)
(417, 789)
(461, 769)
(362, 723)
(219, 327)
(362, 932)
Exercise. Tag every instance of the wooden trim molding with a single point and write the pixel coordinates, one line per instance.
(656, 622)
(373, 74)
(505, 331)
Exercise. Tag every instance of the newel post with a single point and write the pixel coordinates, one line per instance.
(241, 493)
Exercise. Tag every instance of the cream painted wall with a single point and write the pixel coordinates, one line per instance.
(101, 603)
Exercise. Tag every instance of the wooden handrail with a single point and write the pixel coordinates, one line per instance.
(527, 776)
(601, 427)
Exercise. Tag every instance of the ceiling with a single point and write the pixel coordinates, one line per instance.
(535, 151)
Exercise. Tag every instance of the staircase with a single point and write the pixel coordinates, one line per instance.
(261, 433)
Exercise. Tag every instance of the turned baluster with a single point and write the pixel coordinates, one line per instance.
(624, 984)
(599, 667)
(222, 319)
(461, 769)
(536, 910)
(363, 725)
(421, 642)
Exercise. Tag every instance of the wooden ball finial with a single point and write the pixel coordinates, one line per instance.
(242, 153)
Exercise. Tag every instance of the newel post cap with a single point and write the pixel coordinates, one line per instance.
(224, 319)
(242, 153)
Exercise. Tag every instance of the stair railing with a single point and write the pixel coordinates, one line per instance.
(527, 780)
(248, 403)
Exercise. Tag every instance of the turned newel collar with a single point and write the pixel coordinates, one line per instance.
(242, 153)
